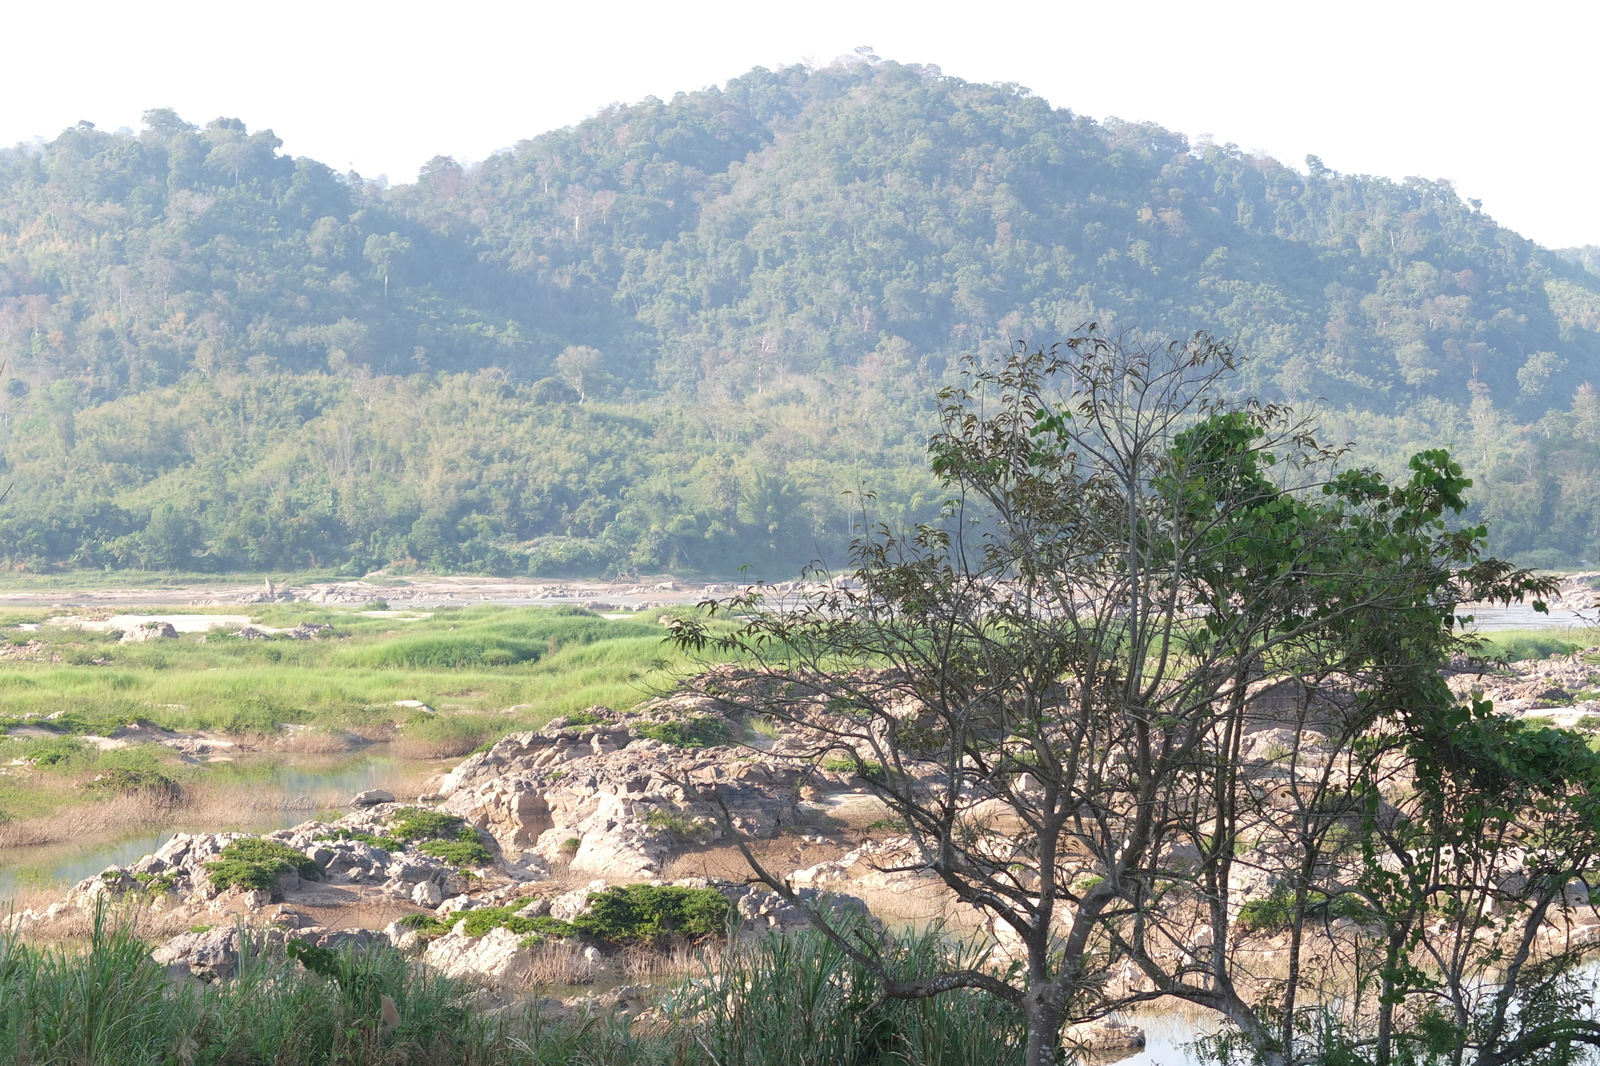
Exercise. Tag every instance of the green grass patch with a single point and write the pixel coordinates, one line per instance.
(480, 921)
(842, 764)
(124, 781)
(470, 664)
(107, 1002)
(1524, 645)
(1276, 912)
(444, 737)
(421, 823)
(444, 836)
(674, 824)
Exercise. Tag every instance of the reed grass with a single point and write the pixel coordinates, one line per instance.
(797, 1000)
(792, 1000)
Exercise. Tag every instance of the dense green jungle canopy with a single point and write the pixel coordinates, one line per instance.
(673, 335)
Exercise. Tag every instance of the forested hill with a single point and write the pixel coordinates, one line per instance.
(669, 337)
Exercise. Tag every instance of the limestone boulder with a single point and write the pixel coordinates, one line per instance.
(213, 954)
(498, 956)
(1102, 1036)
(604, 802)
(152, 630)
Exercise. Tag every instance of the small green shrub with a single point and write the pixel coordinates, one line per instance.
(370, 839)
(1276, 912)
(444, 836)
(637, 914)
(122, 781)
(674, 824)
(1525, 646)
(480, 921)
(156, 884)
(467, 850)
(54, 752)
(581, 718)
(420, 823)
(476, 647)
(256, 863)
(697, 732)
(840, 764)
(427, 926)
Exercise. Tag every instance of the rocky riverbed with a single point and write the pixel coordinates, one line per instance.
(490, 874)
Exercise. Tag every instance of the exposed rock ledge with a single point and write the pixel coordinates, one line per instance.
(611, 803)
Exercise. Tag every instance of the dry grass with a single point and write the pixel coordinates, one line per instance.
(317, 742)
(433, 747)
(33, 897)
(781, 857)
(205, 807)
(118, 815)
(370, 910)
(373, 732)
(641, 966)
(75, 925)
(560, 965)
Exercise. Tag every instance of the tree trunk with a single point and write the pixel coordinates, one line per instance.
(1044, 1032)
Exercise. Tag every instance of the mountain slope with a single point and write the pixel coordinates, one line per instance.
(672, 334)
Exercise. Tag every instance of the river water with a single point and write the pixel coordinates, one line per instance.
(1522, 616)
(297, 788)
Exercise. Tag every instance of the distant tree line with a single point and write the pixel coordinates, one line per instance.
(672, 335)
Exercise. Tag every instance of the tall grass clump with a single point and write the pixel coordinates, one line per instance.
(791, 1000)
(112, 1005)
(447, 737)
(797, 1000)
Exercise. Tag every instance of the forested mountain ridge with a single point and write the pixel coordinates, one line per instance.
(670, 335)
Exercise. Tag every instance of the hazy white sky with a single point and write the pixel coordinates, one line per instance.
(1500, 99)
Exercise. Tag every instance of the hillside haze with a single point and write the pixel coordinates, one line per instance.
(670, 336)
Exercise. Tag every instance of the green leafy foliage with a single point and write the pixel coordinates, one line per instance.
(422, 823)
(1277, 911)
(787, 1001)
(480, 920)
(387, 843)
(633, 914)
(125, 781)
(675, 825)
(427, 926)
(522, 319)
(699, 731)
(256, 863)
(1525, 645)
(465, 850)
(444, 836)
